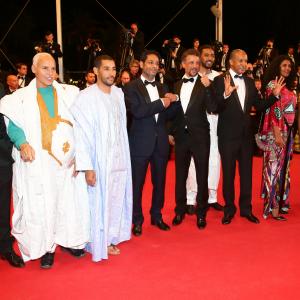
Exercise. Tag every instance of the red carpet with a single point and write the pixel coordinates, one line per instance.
(238, 261)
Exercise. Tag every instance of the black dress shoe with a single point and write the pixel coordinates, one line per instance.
(190, 209)
(251, 218)
(160, 224)
(227, 219)
(178, 219)
(13, 259)
(137, 230)
(216, 206)
(47, 260)
(201, 223)
(74, 252)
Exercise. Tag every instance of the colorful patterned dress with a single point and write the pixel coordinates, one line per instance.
(276, 161)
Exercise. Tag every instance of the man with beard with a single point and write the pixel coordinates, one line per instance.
(207, 59)
(151, 106)
(191, 133)
(102, 153)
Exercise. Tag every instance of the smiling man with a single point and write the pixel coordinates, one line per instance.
(236, 94)
(50, 204)
(191, 133)
(151, 106)
(102, 154)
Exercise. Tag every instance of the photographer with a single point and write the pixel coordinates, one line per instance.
(267, 53)
(50, 46)
(258, 69)
(172, 51)
(92, 50)
(137, 41)
(222, 56)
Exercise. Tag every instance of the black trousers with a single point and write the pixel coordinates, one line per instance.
(139, 165)
(184, 150)
(6, 239)
(231, 152)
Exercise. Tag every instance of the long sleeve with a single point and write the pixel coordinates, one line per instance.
(263, 104)
(142, 109)
(83, 131)
(83, 158)
(16, 134)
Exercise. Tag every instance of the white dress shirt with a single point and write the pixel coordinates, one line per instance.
(186, 92)
(152, 91)
(173, 65)
(241, 90)
(21, 80)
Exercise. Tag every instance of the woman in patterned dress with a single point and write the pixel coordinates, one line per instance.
(278, 138)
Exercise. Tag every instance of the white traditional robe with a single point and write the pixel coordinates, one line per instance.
(50, 205)
(214, 163)
(102, 146)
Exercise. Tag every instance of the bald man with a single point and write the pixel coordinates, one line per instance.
(50, 203)
(236, 94)
(12, 84)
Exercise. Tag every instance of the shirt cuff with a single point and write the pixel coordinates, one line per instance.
(225, 97)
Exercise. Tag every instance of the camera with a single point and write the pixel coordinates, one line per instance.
(95, 45)
(218, 46)
(172, 44)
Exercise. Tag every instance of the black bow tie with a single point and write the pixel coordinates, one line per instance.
(153, 83)
(238, 76)
(185, 80)
(20, 77)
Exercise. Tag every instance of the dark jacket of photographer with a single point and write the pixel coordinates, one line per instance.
(138, 45)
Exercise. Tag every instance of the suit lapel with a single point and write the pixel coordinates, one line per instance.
(235, 95)
(246, 94)
(194, 93)
(177, 89)
(160, 89)
(143, 90)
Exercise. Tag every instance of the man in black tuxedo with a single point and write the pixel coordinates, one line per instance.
(172, 51)
(150, 106)
(6, 240)
(23, 78)
(12, 84)
(50, 46)
(236, 94)
(191, 133)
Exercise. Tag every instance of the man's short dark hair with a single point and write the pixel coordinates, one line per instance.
(205, 47)
(190, 52)
(149, 52)
(99, 59)
(20, 64)
(48, 32)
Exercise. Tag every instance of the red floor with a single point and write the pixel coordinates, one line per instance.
(238, 261)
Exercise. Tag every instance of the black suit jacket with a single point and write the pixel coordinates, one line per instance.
(166, 53)
(195, 118)
(5, 145)
(235, 122)
(145, 132)
(138, 45)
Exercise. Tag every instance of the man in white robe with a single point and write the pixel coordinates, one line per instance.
(50, 204)
(102, 154)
